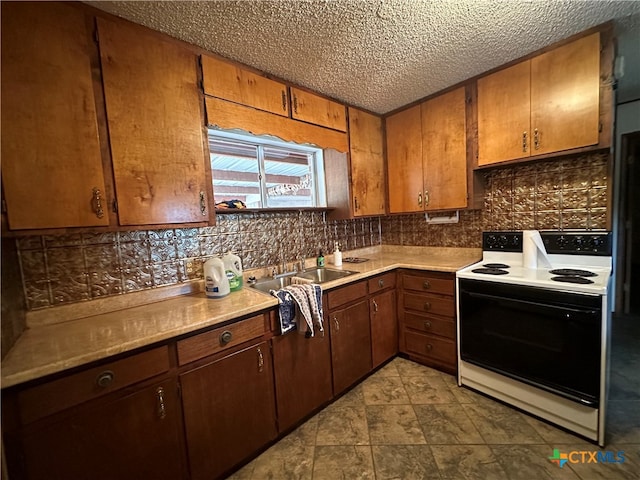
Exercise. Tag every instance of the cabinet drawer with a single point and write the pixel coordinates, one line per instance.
(435, 304)
(214, 341)
(428, 346)
(54, 396)
(430, 324)
(344, 295)
(428, 283)
(382, 282)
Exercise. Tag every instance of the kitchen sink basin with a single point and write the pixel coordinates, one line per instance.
(314, 275)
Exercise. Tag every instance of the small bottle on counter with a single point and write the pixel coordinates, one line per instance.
(320, 260)
(337, 256)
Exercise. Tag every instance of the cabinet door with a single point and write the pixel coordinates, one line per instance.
(318, 110)
(302, 369)
(504, 108)
(155, 127)
(565, 93)
(231, 82)
(404, 161)
(229, 410)
(367, 163)
(444, 150)
(51, 161)
(138, 436)
(350, 345)
(384, 327)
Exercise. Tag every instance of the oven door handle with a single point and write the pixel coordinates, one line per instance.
(544, 306)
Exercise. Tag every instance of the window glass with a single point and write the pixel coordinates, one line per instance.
(262, 172)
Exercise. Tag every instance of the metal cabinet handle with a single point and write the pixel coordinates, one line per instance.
(355, 201)
(381, 283)
(104, 379)
(260, 360)
(426, 285)
(375, 306)
(426, 198)
(162, 411)
(427, 306)
(284, 100)
(295, 104)
(536, 139)
(420, 199)
(524, 141)
(335, 319)
(203, 203)
(225, 337)
(96, 203)
(427, 325)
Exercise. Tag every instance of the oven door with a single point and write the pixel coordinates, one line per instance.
(546, 338)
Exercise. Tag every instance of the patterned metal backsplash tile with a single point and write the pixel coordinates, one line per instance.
(556, 194)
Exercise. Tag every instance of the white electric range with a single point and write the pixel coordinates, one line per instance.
(534, 332)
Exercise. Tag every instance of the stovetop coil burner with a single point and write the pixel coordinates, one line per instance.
(573, 272)
(572, 279)
(496, 265)
(490, 271)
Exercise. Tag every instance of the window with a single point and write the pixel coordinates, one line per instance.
(264, 172)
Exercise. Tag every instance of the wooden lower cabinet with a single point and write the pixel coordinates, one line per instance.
(229, 410)
(384, 327)
(132, 437)
(426, 309)
(302, 371)
(350, 344)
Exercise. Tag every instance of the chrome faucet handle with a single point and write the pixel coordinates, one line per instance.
(301, 262)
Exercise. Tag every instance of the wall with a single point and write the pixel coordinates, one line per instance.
(71, 268)
(13, 305)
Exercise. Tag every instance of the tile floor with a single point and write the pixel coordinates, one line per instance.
(408, 421)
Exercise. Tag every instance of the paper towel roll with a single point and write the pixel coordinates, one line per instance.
(533, 250)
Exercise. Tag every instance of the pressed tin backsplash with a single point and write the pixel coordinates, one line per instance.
(569, 193)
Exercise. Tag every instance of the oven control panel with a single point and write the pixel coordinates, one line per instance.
(578, 243)
(502, 241)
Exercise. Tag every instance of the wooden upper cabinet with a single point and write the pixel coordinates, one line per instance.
(318, 110)
(155, 125)
(51, 160)
(404, 160)
(565, 88)
(444, 150)
(367, 163)
(230, 82)
(504, 110)
(548, 104)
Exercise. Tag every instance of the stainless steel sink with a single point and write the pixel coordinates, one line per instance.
(314, 275)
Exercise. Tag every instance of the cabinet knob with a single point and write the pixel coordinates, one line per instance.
(524, 142)
(381, 283)
(429, 347)
(96, 203)
(536, 139)
(225, 337)
(420, 199)
(427, 325)
(426, 198)
(162, 411)
(427, 306)
(375, 306)
(426, 285)
(104, 379)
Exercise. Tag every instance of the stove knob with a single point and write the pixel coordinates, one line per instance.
(578, 243)
(595, 243)
(492, 241)
(515, 241)
(562, 241)
(502, 240)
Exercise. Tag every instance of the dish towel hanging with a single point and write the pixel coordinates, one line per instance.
(286, 310)
(308, 300)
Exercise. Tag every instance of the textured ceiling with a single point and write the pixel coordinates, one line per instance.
(376, 54)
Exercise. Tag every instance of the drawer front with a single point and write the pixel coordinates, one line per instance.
(428, 346)
(382, 282)
(435, 304)
(428, 284)
(344, 295)
(430, 324)
(219, 339)
(55, 396)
